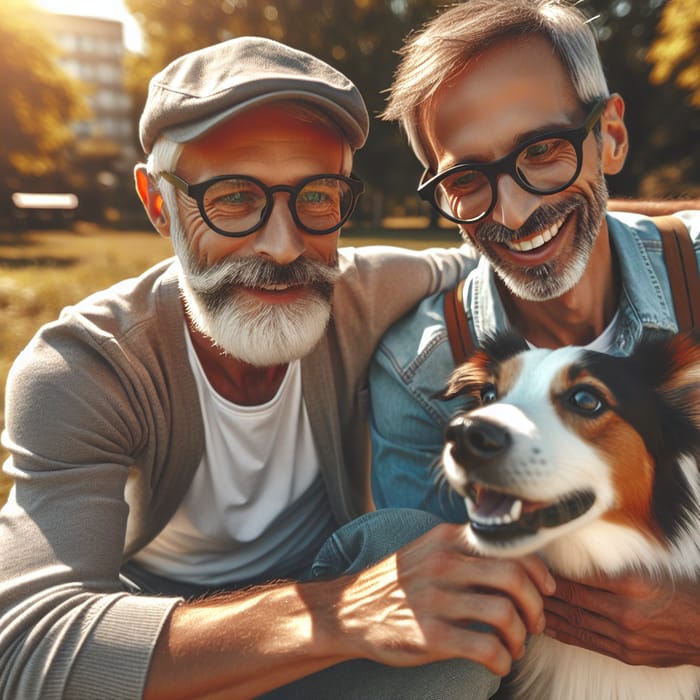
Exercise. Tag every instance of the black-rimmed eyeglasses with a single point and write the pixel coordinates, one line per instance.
(238, 205)
(544, 164)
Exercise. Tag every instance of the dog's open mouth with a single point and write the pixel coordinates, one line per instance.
(496, 515)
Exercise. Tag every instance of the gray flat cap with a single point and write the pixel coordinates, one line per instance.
(201, 89)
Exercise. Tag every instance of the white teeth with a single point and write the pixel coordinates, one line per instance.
(275, 287)
(516, 510)
(539, 240)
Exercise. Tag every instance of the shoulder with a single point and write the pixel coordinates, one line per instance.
(117, 309)
(106, 334)
(380, 258)
(645, 227)
(110, 353)
(416, 350)
(417, 333)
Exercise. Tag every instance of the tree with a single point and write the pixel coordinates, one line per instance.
(675, 53)
(663, 125)
(38, 101)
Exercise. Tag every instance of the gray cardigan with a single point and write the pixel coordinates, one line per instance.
(105, 434)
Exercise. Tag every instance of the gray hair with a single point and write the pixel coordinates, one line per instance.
(453, 38)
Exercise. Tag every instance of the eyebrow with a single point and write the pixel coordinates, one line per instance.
(518, 139)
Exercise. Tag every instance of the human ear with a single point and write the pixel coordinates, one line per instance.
(614, 134)
(152, 200)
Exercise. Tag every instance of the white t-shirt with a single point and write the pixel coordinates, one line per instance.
(257, 502)
(603, 343)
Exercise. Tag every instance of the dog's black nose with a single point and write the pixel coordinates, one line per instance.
(476, 438)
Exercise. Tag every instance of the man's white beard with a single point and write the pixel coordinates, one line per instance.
(241, 324)
(258, 333)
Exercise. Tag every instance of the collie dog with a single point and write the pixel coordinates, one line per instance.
(592, 461)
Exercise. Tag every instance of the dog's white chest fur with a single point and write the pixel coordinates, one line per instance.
(555, 671)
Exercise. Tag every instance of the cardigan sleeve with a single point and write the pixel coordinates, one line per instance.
(85, 425)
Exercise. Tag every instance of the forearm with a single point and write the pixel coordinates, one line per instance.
(409, 609)
(251, 641)
(652, 207)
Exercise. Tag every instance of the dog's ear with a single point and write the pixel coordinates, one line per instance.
(671, 363)
(680, 387)
(468, 379)
(504, 345)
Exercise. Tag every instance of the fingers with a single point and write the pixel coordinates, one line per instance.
(632, 618)
(494, 615)
(441, 576)
(515, 580)
(606, 638)
(629, 602)
(485, 649)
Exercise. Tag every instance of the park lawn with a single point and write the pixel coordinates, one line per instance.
(43, 271)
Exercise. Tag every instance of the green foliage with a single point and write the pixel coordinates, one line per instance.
(663, 125)
(674, 53)
(37, 100)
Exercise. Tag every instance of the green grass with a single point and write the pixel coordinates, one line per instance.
(43, 271)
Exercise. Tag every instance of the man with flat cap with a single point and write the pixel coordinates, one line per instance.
(189, 449)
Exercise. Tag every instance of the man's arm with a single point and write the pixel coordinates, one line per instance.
(631, 618)
(652, 207)
(411, 608)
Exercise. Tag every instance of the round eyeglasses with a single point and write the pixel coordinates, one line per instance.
(544, 164)
(238, 205)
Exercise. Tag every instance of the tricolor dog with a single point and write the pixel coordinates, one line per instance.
(594, 462)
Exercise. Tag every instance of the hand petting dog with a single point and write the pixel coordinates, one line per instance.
(631, 618)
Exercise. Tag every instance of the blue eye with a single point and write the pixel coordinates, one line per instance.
(586, 400)
(488, 394)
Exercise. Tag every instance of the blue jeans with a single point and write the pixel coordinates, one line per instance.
(350, 549)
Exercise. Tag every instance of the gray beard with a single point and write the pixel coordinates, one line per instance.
(553, 279)
(245, 327)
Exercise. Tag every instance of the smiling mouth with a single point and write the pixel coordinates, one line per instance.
(538, 240)
(499, 516)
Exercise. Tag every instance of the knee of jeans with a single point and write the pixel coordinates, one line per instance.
(369, 538)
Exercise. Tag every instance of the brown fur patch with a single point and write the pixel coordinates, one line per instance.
(621, 448)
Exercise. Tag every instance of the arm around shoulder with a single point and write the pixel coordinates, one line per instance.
(653, 207)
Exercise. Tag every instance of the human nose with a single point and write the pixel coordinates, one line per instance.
(514, 205)
(279, 239)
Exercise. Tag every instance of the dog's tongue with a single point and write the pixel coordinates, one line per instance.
(490, 504)
(497, 514)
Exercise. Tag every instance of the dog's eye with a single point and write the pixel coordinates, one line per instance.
(586, 400)
(488, 394)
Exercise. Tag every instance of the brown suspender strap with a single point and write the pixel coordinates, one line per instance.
(683, 275)
(457, 325)
(682, 267)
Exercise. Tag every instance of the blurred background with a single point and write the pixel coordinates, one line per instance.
(72, 86)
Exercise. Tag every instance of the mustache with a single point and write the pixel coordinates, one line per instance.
(543, 217)
(214, 283)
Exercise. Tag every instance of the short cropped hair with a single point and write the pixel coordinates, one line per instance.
(448, 42)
